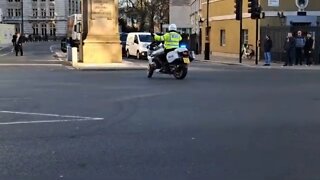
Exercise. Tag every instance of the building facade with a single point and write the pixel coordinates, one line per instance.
(224, 31)
(39, 17)
(195, 16)
(179, 14)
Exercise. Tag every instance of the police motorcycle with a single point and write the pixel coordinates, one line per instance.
(177, 64)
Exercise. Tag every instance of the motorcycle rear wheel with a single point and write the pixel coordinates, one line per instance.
(180, 72)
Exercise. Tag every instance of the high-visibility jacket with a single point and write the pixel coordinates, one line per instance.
(171, 40)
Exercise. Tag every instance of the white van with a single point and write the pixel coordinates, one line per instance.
(137, 44)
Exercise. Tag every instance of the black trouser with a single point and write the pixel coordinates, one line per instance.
(299, 56)
(308, 55)
(290, 57)
(17, 49)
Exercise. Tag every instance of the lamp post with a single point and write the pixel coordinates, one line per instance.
(22, 20)
(200, 34)
(207, 44)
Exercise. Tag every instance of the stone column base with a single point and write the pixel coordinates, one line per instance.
(102, 52)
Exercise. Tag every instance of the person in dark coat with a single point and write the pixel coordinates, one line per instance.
(289, 48)
(308, 48)
(300, 43)
(18, 44)
(267, 46)
(14, 39)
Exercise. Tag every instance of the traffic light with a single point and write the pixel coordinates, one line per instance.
(256, 13)
(252, 5)
(238, 9)
(254, 9)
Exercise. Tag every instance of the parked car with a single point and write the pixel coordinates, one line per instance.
(123, 39)
(137, 44)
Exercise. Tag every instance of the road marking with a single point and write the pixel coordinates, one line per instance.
(51, 48)
(72, 118)
(49, 115)
(134, 97)
(16, 64)
(48, 121)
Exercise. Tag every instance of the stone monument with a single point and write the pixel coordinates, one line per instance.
(101, 32)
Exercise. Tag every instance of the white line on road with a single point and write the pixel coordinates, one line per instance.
(50, 115)
(16, 64)
(51, 48)
(143, 96)
(50, 121)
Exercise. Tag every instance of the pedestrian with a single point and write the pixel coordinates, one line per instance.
(18, 44)
(289, 49)
(14, 39)
(300, 43)
(308, 49)
(267, 46)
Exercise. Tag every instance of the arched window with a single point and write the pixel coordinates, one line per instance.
(35, 28)
(43, 29)
(52, 29)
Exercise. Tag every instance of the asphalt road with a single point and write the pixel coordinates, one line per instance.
(34, 53)
(222, 122)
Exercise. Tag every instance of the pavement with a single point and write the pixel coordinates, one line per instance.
(251, 63)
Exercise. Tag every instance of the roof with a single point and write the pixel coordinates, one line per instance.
(180, 2)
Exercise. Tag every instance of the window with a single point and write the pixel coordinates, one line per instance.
(51, 12)
(10, 0)
(17, 0)
(245, 34)
(35, 12)
(43, 29)
(136, 39)
(145, 38)
(34, 0)
(76, 7)
(222, 37)
(69, 7)
(18, 12)
(10, 12)
(35, 29)
(43, 13)
(52, 29)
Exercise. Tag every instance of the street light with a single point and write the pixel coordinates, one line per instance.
(207, 44)
(22, 20)
(201, 21)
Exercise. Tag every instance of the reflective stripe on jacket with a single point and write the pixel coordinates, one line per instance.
(171, 40)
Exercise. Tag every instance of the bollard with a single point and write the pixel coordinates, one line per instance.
(69, 53)
(74, 56)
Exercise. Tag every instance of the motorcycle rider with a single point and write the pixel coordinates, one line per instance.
(171, 41)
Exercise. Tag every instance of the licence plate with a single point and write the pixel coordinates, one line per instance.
(186, 60)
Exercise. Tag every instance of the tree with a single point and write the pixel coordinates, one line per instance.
(147, 13)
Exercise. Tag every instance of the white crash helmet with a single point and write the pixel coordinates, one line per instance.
(172, 27)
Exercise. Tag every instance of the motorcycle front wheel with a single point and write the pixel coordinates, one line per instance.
(180, 72)
(151, 69)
